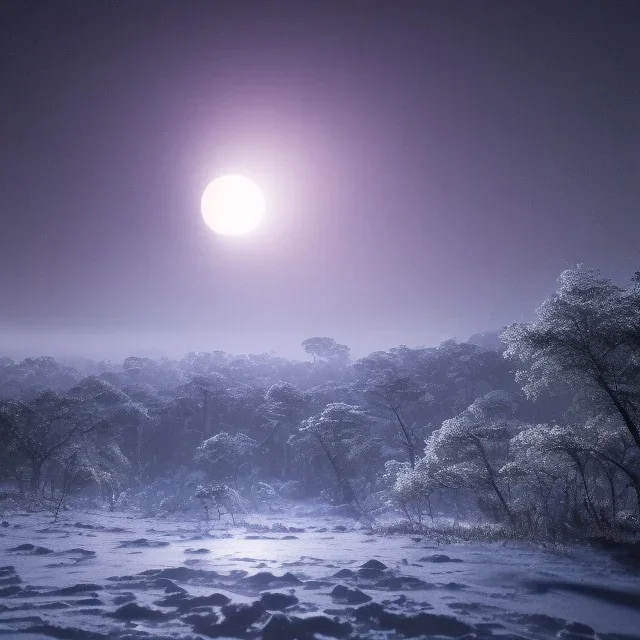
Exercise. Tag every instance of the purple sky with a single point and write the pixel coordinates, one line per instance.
(429, 168)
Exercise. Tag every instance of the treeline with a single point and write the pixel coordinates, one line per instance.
(539, 432)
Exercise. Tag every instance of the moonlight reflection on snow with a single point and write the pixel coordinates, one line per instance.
(283, 577)
(409, 493)
(245, 254)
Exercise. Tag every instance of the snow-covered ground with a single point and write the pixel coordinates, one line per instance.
(114, 576)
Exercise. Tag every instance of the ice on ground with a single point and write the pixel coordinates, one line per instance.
(122, 576)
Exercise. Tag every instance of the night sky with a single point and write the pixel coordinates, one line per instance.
(429, 168)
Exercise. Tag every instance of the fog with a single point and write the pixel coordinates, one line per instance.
(406, 404)
(198, 493)
(116, 346)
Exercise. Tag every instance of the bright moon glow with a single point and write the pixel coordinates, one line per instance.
(232, 205)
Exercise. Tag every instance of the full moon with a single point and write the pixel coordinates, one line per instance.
(232, 205)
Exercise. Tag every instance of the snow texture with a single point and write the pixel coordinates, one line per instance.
(98, 577)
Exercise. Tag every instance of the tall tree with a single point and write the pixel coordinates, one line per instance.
(42, 428)
(469, 450)
(587, 336)
(338, 430)
(285, 407)
(210, 393)
(326, 349)
(393, 393)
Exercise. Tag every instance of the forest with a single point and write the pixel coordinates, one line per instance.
(532, 431)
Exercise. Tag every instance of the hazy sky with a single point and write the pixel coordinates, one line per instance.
(429, 167)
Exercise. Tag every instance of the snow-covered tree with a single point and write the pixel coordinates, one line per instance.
(339, 431)
(92, 461)
(589, 469)
(209, 394)
(326, 349)
(468, 451)
(221, 498)
(225, 455)
(393, 393)
(285, 407)
(586, 337)
(411, 489)
(41, 429)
